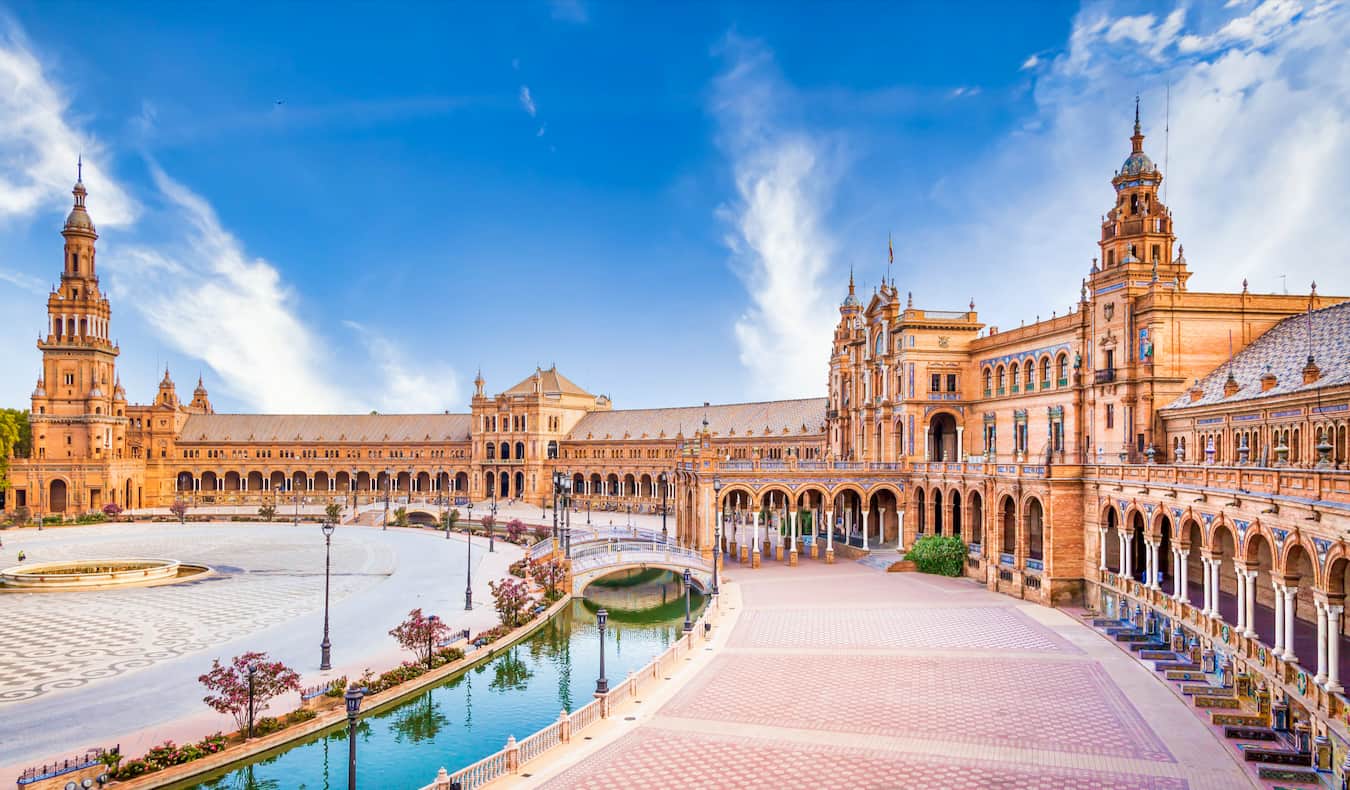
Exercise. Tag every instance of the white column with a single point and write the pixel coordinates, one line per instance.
(1321, 675)
(1290, 596)
(864, 529)
(1279, 616)
(829, 530)
(1241, 577)
(1176, 574)
(1205, 566)
(1250, 589)
(1101, 559)
(960, 444)
(1334, 646)
(1126, 555)
(1155, 575)
(1184, 575)
(881, 526)
(754, 526)
(900, 529)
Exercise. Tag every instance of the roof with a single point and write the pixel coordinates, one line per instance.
(392, 428)
(1283, 349)
(551, 382)
(806, 416)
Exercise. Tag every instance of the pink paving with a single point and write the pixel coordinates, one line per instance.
(1060, 706)
(946, 628)
(664, 759)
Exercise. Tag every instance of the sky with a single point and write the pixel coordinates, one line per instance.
(359, 209)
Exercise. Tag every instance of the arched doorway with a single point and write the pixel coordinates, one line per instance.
(937, 511)
(1164, 551)
(56, 497)
(942, 438)
(520, 484)
(1138, 563)
(1035, 529)
(1008, 539)
(1112, 540)
(976, 519)
(956, 513)
(922, 511)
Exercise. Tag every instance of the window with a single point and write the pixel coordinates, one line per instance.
(1110, 359)
(951, 382)
(1001, 377)
(936, 384)
(1045, 373)
(1157, 253)
(75, 262)
(1134, 203)
(988, 379)
(69, 378)
(1063, 364)
(1110, 257)
(1110, 416)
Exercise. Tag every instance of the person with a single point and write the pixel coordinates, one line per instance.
(22, 556)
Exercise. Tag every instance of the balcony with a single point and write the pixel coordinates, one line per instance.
(1062, 383)
(1104, 376)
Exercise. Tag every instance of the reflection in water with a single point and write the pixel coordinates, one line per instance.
(527, 684)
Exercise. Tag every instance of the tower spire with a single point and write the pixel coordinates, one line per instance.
(1137, 139)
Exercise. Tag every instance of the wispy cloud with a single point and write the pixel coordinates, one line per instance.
(965, 90)
(780, 247)
(24, 281)
(1031, 63)
(38, 147)
(406, 385)
(527, 101)
(573, 11)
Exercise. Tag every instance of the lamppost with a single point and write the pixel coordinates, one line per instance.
(353, 699)
(630, 514)
(664, 535)
(431, 631)
(567, 516)
(492, 526)
(388, 480)
(717, 528)
(688, 624)
(296, 521)
(601, 683)
(588, 511)
(326, 647)
(468, 561)
(252, 670)
(557, 487)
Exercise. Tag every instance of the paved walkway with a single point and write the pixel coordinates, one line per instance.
(80, 669)
(844, 676)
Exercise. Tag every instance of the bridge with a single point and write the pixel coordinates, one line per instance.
(603, 552)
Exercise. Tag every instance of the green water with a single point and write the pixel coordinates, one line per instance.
(518, 691)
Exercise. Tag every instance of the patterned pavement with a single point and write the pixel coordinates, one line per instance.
(841, 676)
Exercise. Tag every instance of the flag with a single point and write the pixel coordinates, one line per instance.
(890, 248)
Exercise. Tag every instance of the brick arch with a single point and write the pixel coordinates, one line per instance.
(1288, 554)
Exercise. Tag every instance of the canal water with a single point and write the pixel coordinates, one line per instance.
(517, 692)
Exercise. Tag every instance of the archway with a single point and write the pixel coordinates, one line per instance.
(1035, 529)
(1164, 552)
(1299, 574)
(1008, 538)
(520, 485)
(183, 484)
(956, 513)
(1195, 568)
(1261, 558)
(231, 481)
(1112, 540)
(209, 481)
(56, 497)
(1138, 552)
(921, 510)
(937, 511)
(461, 481)
(942, 437)
(490, 481)
(976, 519)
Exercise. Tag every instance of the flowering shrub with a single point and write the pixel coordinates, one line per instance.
(515, 530)
(510, 597)
(542, 532)
(133, 768)
(112, 510)
(229, 684)
(179, 509)
(491, 635)
(550, 576)
(418, 633)
(519, 567)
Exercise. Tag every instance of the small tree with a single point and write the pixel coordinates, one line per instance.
(515, 530)
(417, 633)
(267, 512)
(112, 510)
(450, 518)
(401, 517)
(542, 532)
(550, 576)
(229, 684)
(488, 523)
(179, 508)
(333, 512)
(510, 597)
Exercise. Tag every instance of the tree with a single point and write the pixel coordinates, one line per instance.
(229, 684)
(401, 517)
(16, 439)
(488, 522)
(267, 512)
(510, 597)
(112, 510)
(450, 518)
(333, 512)
(550, 576)
(179, 508)
(515, 530)
(417, 633)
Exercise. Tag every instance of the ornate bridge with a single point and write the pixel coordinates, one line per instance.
(602, 555)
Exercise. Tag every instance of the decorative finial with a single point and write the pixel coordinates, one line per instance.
(1244, 285)
(909, 304)
(1314, 288)
(79, 167)
(1082, 289)
(972, 304)
(1136, 113)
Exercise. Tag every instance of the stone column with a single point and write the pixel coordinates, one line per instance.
(1290, 598)
(960, 443)
(755, 553)
(829, 537)
(1241, 576)
(881, 525)
(1154, 550)
(1334, 646)
(1279, 616)
(1101, 560)
(1184, 574)
(1207, 566)
(1321, 675)
(864, 529)
(792, 536)
(1126, 566)
(1250, 589)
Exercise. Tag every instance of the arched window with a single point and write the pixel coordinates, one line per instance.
(1028, 375)
(1045, 372)
(506, 451)
(520, 450)
(988, 380)
(491, 451)
(553, 449)
(1063, 364)
(1000, 376)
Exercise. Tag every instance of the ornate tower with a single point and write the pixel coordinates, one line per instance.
(75, 402)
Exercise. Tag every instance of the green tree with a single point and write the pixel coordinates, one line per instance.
(16, 439)
(333, 512)
(451, 517)
(267, 512)
(401, 517)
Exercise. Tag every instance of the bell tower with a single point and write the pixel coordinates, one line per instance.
(76, 396)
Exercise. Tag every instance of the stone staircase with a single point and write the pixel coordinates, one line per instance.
(1271, 754)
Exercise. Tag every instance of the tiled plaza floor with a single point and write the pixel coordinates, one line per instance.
(843, 676)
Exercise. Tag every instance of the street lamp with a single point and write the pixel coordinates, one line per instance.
(353, 699)
(717, 529)
(492, 527)
(388, 480)
(567, 516)
(252, 670)
(431, 631)
(326, 647)
(468, 561)
(688, 624)
(601, 683)
(664, 535)
(557, 488)
(296, 522)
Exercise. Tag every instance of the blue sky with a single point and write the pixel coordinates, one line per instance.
(358, 208)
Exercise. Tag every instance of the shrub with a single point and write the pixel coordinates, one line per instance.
(333, 512)
(91, 518)
(510, 597)
(401, 517)
(550, 576)
(944, 555)
(418, 633)
(542, 532)
(179, 509)
(492, 634)
(133, 768)
(267, 512)
(515, 530)
(112, 510)
(229, 685)
(300, 714)
(519, 568)
(267, 725)
(337, 688)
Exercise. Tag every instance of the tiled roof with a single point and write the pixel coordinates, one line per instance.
(1283, 350)
(551, 382)
(799, 417)
(391, 428)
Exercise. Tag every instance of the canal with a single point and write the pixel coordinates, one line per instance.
(516, 692)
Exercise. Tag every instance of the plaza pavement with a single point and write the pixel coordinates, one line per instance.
(82, 669)
(845, 676)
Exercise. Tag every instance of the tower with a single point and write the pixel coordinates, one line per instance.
(75, 409)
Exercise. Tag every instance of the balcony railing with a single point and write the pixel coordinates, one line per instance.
(1104, 376)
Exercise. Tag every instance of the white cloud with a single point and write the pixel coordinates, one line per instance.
(527, 101)
(1030, 63)
(39, 147)
(966, 90)
(780, 247)
(543, 127)
(1255, 170)
(407, 386)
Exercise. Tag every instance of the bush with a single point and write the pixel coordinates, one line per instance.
(519, 568)
(300, 714)
(338, 688)
(267, 725)
(91, 518)
(267, 512)
(944, 555)
(133, 768)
